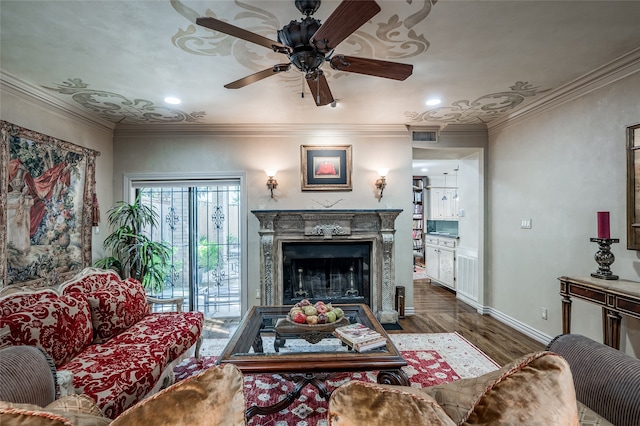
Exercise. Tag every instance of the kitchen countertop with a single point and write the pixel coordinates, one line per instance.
(442, 234)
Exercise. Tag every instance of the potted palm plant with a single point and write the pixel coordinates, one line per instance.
(133, 253)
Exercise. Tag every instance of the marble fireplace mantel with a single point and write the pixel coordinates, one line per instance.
(374, 225)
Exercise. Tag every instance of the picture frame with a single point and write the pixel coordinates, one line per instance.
(46, 216)
(325, 168)
(633, 187)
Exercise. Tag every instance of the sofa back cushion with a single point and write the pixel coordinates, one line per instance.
(60, 325)
(116, 307)
(15, 302)
(89, 280)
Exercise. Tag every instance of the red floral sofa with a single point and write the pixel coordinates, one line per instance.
(100, 328)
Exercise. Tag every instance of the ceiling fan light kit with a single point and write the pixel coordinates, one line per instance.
(308, 44)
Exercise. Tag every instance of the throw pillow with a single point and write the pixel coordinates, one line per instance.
(60, 326)
(536, 389)
(73, 410)
(115, 307)
(214, 397)
(359, 403)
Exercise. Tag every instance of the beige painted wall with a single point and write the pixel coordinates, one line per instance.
(33, 114)
(558, 169)
(214, 151)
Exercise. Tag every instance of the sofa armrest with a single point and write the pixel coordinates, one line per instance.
(177, 301)
(606, 379)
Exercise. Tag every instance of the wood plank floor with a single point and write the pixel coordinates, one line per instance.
(438, 311)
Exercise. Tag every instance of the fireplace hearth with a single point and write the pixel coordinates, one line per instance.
(357, 266)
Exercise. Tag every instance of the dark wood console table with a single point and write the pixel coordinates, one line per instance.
(616, 298)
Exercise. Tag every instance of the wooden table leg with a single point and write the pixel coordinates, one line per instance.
(613, 329)
(566, 314)
(393, 377)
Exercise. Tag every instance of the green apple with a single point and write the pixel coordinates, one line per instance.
(331, 316)
(338, 312)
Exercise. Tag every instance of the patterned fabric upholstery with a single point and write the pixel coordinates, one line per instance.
(178, 331)
(59, 325)
(606, 379)
(132, 347)
(117, 375)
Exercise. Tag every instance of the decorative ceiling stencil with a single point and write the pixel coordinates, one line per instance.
(482, 110)
(394, 39)
(119, 109)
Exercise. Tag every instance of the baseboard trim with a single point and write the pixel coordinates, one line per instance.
(518, 325)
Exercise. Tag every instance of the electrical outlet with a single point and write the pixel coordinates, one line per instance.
(258, 294)
(525, 224)
(543, 313)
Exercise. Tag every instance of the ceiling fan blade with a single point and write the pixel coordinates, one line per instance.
(375, 67)
(232, 30)
(320, 89)
(258, 76)
(348, 17)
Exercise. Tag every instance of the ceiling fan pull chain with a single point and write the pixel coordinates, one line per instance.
(318, 97)
(302, 86)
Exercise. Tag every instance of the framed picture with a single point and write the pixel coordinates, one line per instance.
(326, 168)
(633, 187)
(46, 217)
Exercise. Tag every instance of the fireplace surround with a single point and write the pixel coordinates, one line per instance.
(374, 228)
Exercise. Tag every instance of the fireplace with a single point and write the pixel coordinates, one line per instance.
(331, 272)
(362, 240)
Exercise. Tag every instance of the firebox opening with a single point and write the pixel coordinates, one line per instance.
(331, 272)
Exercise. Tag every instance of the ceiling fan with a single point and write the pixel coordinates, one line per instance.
(309, 44)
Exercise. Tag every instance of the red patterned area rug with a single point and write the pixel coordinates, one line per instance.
(432, 359)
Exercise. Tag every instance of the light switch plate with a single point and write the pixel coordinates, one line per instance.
(525, 224)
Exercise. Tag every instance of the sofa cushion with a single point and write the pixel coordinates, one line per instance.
(115, 307)
(15, 302)
(176, 331)
(117, 376)
(536, 389)
(214, 397)
(360, 403)
(89, 280)
(61, 326)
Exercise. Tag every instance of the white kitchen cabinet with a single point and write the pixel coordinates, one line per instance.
(440, 259)
(442, 209)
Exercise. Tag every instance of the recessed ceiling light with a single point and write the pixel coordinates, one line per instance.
(172, 100)
(424, 169)
(432, 102)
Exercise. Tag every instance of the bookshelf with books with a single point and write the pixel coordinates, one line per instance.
(419, 185)
(360, 337)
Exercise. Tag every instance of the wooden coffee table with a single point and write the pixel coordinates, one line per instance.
(307, 360)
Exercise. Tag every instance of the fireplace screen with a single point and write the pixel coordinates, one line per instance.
(331, 272)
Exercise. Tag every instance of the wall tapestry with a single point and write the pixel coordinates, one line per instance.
(46, 215)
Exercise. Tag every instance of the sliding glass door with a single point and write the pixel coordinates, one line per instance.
(201, 223)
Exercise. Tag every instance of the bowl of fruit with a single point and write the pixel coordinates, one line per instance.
(316, 314)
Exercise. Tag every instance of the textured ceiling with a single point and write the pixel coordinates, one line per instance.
(118, 60)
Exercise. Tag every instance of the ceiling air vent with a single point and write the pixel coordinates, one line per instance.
(425, 136)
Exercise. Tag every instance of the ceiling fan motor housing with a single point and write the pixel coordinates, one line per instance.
(297, 36)
(307, 7)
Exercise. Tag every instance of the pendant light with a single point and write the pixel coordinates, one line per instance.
(455, 196)
(444, 197)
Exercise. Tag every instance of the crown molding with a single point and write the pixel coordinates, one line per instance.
(42, 99)
(263, 130)
(609, 73)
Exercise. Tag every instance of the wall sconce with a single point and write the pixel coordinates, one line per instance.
(381, 183)
(272, 183)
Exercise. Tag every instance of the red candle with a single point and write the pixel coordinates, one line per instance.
(603, 225)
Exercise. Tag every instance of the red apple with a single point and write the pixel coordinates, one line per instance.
(321, 308)
(299, 317)
(323, 318)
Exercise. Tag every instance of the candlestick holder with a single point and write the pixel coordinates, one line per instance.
(604, 258)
